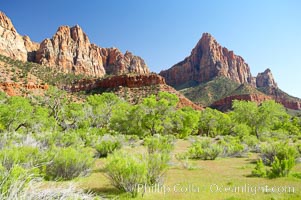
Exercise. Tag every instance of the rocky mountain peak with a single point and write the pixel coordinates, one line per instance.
(77, 34)
(11, 43)
(6, 23)
(266, 79)
(71, 51)
(207, 60)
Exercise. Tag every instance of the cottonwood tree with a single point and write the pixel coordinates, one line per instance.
(213, 122)
(157, 117)
(15, 113)
(259, 118)
(55, 100)
(100, 109)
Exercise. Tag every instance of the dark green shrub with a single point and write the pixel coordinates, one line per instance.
(126, 171)
(71, 138)
(68, 163)
(251, 141)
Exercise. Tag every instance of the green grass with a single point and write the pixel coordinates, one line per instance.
(227, 172)
(209, 92)
(245, 89)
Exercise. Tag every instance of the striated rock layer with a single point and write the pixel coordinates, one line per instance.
(226, 103)
(15, 89)
(129, 81)
(132, 87)
(208, 60)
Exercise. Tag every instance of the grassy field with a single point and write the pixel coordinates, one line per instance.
(224, 178)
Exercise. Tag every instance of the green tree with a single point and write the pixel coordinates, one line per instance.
(100, 109)
(15, 113)
(73, 115)
(120, 118)
(185, 122)
(41, 121)
(213, 122)
(55, 100)
(157, 118)
(258, 118)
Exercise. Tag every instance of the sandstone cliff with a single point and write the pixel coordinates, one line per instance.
(71, 51)
(12, 44)
(208, 60)
(129, 81)
(226, 103)
(17, 89)
(265, 79)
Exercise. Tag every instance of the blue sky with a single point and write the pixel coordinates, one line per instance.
(266, 33)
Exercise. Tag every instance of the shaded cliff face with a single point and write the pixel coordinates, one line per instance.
(208, 60)
(12, 44)
(71, 51)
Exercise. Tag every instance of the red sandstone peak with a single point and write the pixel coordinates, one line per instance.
(207, 60)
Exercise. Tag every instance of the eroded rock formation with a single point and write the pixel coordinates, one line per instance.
(265, 79)
(12, 44)
(208, 60)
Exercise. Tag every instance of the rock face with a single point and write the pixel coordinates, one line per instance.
(265, 79)
(226, 103)
(130, 81)
(132, 87)
(208, 60)
(12, 44)
(16, 89)
(116, 63)
(71, 51)
(31, 48)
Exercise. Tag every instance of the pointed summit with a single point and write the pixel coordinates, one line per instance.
(70, 51)
(11, 43)
(208, 60)
(6, 23)
(266, 79)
